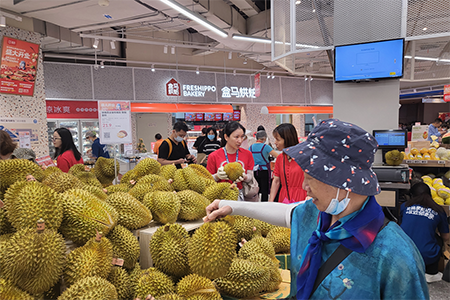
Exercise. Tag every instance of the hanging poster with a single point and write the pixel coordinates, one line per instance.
(257, 84)
(114, 122)
(419, 133)
(22, 130)
(447, 93)
(18, 67)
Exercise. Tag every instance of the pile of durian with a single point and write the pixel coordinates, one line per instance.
(46, 210)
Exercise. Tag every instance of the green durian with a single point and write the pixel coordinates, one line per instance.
(195, 287)
(221, 190)
(96, 191)
(9, 291)
(257, 245)
(167, 171)
(140, 190)
(280, 238)
(61, 182)
(234, 170)
(165, 206)
(51, 170)
(132, 213)
(274, 272)
(105, 171)
(90, 288)
(111, 189)
(168, 248)
(201, 171)
(155, 283)
(193, 205)
(125, 245)
(147, 166)
(121, 281)
(12, 170)
(135, 275)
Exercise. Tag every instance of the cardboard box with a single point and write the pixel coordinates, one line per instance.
(285, 261)
(145, 234)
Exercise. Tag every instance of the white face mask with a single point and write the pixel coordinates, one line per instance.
(178, 138)
(336, 207)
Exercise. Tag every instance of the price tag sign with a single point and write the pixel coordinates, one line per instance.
(441, 162)
(115, 122)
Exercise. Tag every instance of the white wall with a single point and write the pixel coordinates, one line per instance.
(148, 124)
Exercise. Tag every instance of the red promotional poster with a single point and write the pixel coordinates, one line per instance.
(209, 117)
(217, 117)
(228, 116)
(189, 116)
(45, 161)
(447, 93)
(198, 117)
(236, 115)
(72, 109)
(257, 84)
(18, 67)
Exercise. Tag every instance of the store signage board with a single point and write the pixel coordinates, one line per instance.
(45, 161)
(419, 133)
(14, 127)
(257, 84)
(19, 62)
(60, 109)
(236, 115)
(447, 93)
(114, 122)
(24, 139)
(173, 88)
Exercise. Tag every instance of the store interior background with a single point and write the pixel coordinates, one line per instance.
(148, 34)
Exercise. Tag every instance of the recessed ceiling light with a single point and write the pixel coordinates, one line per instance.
(95, 44)
(298, 2)
(245, 61)
(314, 10)
(425, 28)
(153, 68)
(198, 71)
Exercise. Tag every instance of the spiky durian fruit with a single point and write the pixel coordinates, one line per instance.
(61, 182)
(96, 191)
(135, 275)
(77, 169)
(211, 249)
(171, 296)
(274, 273)
(111, 189)
(104, 170)
(90, 288)
(27, 202)
(51, 170)
(263, 227)
(92, 259)
(221, 190)
(394, 158)
(84, 214)
(234, 170)
(155, 283)
(187, 179)
(157, 182)
(147, 166)
(132, 213)
(13, 170)
(121, 281)
(168, 171)
(201, 171)
(5, 226)
(140, 190)
(165, 206)
(244, 226)
(193, 205)
(195, 287)
(85, 176)
(244, 279)
(9, 291)
(257, 245)
(129, 177)
(33, 260)
(125, 245)
(168, 248)
(280, 238)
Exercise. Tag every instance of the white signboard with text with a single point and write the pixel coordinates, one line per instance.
(114, 122)
(419, 133)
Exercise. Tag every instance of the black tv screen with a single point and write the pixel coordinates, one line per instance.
(391, 138)
(369, 61)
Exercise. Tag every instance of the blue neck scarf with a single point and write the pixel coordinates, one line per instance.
(355, 231)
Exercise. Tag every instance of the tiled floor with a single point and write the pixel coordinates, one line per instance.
(439, 290)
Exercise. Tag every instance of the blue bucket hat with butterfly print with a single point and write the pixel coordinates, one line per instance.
(339, 154)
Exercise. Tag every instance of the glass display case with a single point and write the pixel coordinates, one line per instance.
(51, 126)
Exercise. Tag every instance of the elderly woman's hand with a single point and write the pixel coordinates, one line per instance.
(214, 212)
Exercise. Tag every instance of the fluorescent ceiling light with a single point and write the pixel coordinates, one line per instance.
(172, 50)
(197, 71)
(433, 100)
(195, 17)
(254, 39)
(95, 44)
(297, 45)
(113, 45)
(427, 58)
(153, 68)
(2, 21)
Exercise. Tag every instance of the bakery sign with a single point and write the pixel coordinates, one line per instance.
(174, 88)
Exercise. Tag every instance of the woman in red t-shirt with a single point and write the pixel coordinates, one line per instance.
(66, 153)
(232, 136)
(287, 172)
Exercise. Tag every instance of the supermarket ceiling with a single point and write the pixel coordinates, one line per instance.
(69, 27)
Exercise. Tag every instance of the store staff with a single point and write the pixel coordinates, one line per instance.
(98, 150)
(434, 129)
(174, 149)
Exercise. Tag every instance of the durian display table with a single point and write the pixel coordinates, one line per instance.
(145, 234)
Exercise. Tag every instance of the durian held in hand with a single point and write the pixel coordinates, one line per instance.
(394, 158)
(234, 170)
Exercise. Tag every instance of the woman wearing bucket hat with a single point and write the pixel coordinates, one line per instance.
(380, 260)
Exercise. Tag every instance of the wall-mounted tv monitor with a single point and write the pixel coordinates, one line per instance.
(198, 117)
(369, 61)
(189, 116)
(217, 117)
(209, 117)
(228, 116)
(391, 138)
(236, 115)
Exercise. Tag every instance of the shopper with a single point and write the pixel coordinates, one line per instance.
(420, 218)
(261, 152)
(7, 145)
(174, 150)
(66, 154)
(249, 140)
(200, 144)
(98, 150)
(159, 140)
(382, 263)
(434, 129)
(231, 151)
(211, 144)
(24, 153)
(287, 173)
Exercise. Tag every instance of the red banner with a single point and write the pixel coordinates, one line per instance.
(447, 93)
(58, 109)
(18, 67)
(257, 84)
(236, 115)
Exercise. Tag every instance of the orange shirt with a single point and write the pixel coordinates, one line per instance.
(157, 144)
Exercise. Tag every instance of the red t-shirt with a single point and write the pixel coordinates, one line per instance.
(294, 177)
(66, 160)
(217, 159)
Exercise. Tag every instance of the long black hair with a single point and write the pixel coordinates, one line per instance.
(66, 143)
(421, 195)
(228, 130)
